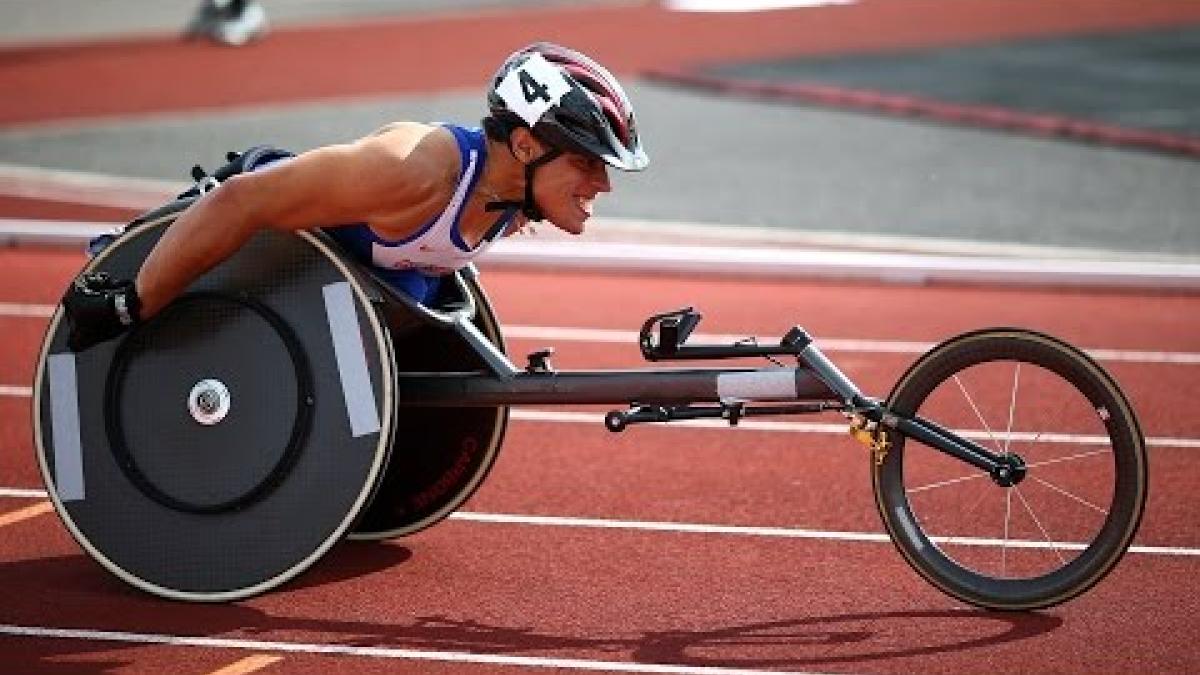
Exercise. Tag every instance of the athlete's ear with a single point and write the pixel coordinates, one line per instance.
(525, 146)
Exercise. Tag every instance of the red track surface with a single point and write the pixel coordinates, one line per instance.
(698, 599)
(617, 595)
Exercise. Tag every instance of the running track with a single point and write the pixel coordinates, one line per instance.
(573, 596)
(476, 595)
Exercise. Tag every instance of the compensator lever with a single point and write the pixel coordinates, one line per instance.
(674, 328)
(539, 361)
(663, 336)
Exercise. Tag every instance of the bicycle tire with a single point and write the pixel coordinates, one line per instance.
(937, 553)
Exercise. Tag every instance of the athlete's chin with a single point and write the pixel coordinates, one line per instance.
(573, 225)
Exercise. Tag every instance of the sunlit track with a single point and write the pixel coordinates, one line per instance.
(608, 336)
(13, 517)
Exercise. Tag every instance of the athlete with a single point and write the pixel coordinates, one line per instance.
(421, 200)
(230, 22)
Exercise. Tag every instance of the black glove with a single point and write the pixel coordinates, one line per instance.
(99, 308)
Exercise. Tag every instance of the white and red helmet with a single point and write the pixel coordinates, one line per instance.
(570, 102)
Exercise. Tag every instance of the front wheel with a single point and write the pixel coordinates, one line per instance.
(1062, 527)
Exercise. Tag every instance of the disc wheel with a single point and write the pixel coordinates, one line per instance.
(1058, 529)
(441, 456)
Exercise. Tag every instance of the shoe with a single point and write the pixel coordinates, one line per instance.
(228, 22)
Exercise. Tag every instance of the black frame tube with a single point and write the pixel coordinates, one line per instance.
(817, 380)
(654, 386)
(946, 441)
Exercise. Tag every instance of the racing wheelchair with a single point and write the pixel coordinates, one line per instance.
(290, 400)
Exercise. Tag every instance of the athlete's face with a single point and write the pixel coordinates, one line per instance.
(566, 188)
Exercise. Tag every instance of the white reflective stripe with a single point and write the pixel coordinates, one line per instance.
(761, 385)
(351, 359)
(64, 425)
(121, 304)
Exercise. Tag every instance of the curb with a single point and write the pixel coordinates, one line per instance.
(757, 262)
(989, 117)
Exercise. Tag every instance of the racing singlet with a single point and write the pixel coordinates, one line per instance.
(415, 265)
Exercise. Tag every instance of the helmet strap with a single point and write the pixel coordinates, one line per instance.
(528, 207)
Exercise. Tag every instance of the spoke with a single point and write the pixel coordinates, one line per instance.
(1027, 437)
(1068, 495)
(1069, 458)
(960, 479)
(1012, 407)
(962, 515)
(971, 402)
(1045, 535)
(944, 483)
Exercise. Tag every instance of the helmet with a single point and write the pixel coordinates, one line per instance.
(570, 102)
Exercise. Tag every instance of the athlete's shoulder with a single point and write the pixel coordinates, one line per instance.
(415, 150)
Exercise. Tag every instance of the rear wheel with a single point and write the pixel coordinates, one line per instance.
(441, 456)
(1066, 523)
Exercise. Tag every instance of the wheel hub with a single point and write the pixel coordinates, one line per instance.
(1011, 470)
(209, 401)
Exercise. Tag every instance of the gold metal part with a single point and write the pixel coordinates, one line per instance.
(869, 434)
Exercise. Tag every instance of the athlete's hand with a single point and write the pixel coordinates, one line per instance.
(99, 308)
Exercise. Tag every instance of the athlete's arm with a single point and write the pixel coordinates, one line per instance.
(357, 182)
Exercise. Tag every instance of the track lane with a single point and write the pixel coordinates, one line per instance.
(1088, 318)
(543, 592)
(875, 373)
(612, 595)
(721, 477)
(843, 471)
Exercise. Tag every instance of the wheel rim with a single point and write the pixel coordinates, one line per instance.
(1040, 524)
(1061, 527)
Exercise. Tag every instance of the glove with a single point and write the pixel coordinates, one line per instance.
(99, 308)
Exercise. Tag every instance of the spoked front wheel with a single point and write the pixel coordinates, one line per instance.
(1059, 528)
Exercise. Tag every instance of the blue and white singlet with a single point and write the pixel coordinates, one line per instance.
(415, 264)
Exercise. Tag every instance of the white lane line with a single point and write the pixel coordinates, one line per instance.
(77, 187)
(783, 532)
(876, 267)
(16, 391)
(26, 310)
(609, 336)
(23, 493)
(735, 530)
(370, 652)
